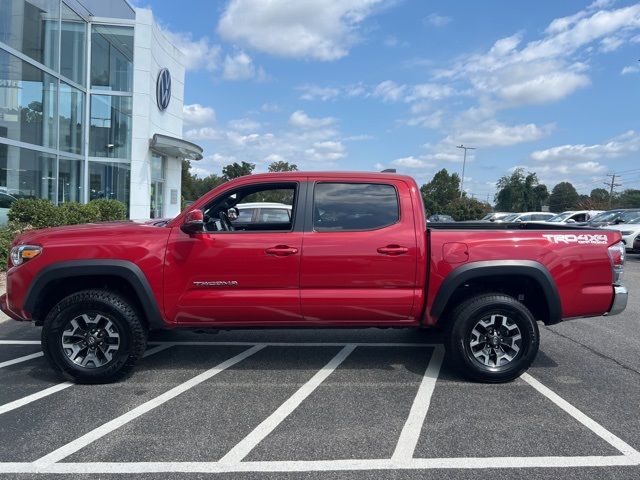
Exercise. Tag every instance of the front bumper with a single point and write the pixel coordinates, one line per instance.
(4, 306)
(620, 297)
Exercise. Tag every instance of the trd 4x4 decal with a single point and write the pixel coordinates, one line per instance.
(582, 239)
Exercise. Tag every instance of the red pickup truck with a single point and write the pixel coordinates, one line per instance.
(353, 250)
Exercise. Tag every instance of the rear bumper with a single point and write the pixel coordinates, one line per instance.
(620, 297)
(4, 306)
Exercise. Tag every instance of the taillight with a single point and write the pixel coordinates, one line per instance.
(616, 255)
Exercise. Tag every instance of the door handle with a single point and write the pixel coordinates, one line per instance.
(393, 250)
(281, 250)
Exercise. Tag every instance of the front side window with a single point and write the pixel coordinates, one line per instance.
(354, 206)
(253, 208)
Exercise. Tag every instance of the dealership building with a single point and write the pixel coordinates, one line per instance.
(91, 95)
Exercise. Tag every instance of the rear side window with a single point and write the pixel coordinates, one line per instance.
(354, 206)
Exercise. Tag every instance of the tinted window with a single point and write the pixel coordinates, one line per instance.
(245, 215)
(351, 206)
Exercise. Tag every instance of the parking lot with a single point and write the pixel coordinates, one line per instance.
(329, 404)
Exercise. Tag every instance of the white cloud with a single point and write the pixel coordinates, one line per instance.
(493, 133)
(204, 133)
(436, 20)
(429, 91)
(626, 144)
(326, 151)
(198, 54)
(411, 162)
(244, 124)
(630, 69)
(316, 92)
(196, 114)
(548, 87)
(239, 66)
(300, 119)
(389, 91)
(270, 107)
(316, 29)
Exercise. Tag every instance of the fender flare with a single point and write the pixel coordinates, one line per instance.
(525, 268)
(127, 271)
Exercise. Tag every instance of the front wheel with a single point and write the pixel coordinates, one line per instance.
(93, 336)
(493, 338)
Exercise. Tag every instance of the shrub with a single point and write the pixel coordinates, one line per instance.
(34, 213)
(74, 213)
(110, 210)
(7, 234)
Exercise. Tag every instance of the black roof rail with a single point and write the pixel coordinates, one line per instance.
(388, 170)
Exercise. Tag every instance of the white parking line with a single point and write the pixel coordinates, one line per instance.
(21, 359)
(413, 426)
(248, 443)
(7, 407)
(592, 425)
(373, 464)
(81, 442)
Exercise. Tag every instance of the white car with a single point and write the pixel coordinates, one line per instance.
(263, 212)
(526, 217)
(574, 216)
(630, 231)
(6, 201)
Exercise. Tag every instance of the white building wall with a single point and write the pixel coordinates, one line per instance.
(153, 52)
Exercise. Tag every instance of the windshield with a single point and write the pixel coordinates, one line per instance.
(510, 218)
(628, 217)
(560, 217)
(605, 217)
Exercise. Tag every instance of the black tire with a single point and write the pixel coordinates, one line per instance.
(124, 321)
(488, 308)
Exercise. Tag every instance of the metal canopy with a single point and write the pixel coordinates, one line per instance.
(175, 147)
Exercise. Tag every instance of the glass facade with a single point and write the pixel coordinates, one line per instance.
(65, 124)
(110, 132)
(157, 186)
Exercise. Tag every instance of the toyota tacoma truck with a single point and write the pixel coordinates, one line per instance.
(355, 252)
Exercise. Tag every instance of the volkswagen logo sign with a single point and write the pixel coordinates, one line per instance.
(163, 89)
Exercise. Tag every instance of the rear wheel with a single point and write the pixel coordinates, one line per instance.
(493, 338)
(93, 336)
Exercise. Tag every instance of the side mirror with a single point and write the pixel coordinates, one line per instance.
(193, 222)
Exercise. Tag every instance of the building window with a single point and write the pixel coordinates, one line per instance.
(112, 58)
(157, 186)
(26, 173)
(70, 113)
(109, 180)
(70, 180)
(73, 38)
(31, 27)
(27, 102)
(110, 132)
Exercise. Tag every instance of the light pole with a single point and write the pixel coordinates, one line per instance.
(464, 164)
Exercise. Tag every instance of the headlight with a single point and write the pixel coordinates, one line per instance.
(21, 253)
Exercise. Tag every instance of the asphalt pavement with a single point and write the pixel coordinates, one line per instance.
(330, 404)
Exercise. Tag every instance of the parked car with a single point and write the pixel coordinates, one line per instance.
(492, 217)
(525, 217)
(6, 201)
(574, 216)
(630, 231)
(355, 253)
(263, 212)
(613, 217)
(439, 218)
(636, 244)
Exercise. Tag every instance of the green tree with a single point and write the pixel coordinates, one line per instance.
(236, 170)
(440, 191)
(194, 187)
(520, 193)
(281, 166)
(564, 196)
(599, 199)
(630, 198)
(466, 208)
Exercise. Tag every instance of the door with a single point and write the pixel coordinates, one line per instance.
(360, 253)
(245, 275)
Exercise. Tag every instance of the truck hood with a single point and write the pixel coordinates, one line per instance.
(89, 230)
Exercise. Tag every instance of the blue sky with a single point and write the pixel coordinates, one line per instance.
(553, 86)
